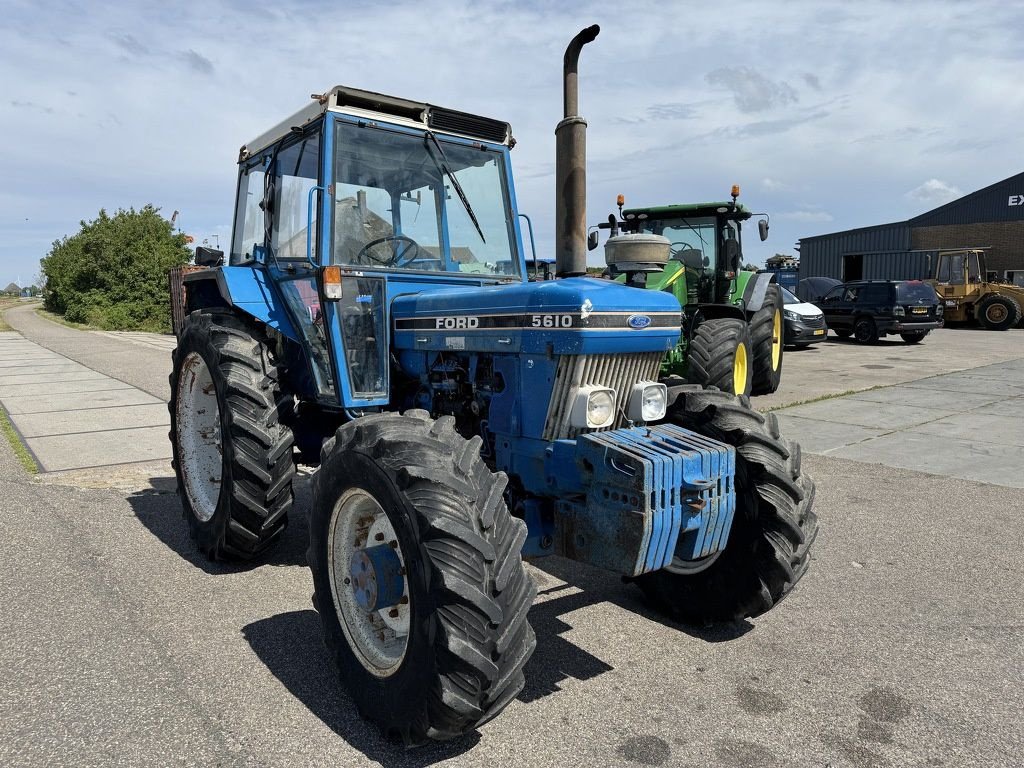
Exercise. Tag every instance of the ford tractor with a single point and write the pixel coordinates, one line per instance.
(374, 319)
(732, 335)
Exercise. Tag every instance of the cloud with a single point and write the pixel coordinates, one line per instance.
(812, 80)
(752, 91)
(197, 62)
(771, 185)
(934, 192)
(129, 44)
(805, 216)
(672, 111)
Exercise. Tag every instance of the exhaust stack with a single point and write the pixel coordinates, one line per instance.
(571, 168)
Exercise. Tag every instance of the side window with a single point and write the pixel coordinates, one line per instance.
(850, 294)
(871, 295)
(250, 221)
(362, 214)
(295, 173)
(833, 295)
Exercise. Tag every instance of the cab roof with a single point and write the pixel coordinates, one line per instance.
(736, 210)
(415, 114)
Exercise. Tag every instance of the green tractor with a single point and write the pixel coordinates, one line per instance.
(733, 331)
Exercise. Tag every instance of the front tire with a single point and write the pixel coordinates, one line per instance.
(865, 331)
(767, 330)
(720, 356)
(232, 454)
(768, 550)
(998, 313)
(466, 635)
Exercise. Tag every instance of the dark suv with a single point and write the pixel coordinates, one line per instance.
(869, 309)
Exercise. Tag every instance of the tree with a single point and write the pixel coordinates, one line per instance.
(12, 289)
(113, 272)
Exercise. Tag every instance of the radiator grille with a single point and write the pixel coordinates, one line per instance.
(620, 372)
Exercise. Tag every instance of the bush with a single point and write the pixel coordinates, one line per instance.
(113, 273)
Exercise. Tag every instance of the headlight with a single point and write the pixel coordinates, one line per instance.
(593, 408)
(938, 309)
(647, 401)
(790, 315)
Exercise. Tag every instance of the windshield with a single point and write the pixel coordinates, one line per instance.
(787, 297)
(692, 241)
(906, 292)
(396, 207)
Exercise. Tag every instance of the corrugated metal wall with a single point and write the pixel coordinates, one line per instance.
(823, 256)
(899, 265)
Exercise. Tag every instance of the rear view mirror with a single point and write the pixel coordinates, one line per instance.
(762, 229)
(592, 240)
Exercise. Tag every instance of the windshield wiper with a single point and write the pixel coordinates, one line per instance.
(442, 166)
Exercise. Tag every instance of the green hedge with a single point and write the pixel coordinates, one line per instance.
(112, 274)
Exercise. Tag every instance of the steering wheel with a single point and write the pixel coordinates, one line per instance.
(399, 257)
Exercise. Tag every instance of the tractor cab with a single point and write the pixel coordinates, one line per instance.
(961, 281)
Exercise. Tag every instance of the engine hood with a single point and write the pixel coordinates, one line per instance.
(578, 315)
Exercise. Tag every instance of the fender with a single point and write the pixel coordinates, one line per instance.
(247, 289)
(715, 311)
(757, 287)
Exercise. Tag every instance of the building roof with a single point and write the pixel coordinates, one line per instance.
(991, 203)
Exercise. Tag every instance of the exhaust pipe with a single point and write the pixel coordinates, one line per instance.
(571, 168)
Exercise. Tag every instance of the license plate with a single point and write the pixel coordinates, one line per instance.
(820, 332)
(920, 310)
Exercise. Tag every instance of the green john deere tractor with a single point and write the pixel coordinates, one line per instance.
(732, 332)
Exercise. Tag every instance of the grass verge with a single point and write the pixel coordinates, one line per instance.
(19, 448)
(819, 398)
(54, 318)
(6, 304)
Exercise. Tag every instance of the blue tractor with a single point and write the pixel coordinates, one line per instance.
(374, 319)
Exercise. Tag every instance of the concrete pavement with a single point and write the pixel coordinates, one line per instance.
(968, 425)
(72, 417)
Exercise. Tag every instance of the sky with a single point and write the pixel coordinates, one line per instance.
(829, 115)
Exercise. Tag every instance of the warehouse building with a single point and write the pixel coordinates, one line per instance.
(991, 218)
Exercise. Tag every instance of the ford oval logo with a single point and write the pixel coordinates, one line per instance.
(638, 321)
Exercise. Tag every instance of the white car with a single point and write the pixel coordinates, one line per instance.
(805, 323)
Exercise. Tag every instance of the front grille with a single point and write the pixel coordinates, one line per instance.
(816, 321)
(618, 372)
(469, 125)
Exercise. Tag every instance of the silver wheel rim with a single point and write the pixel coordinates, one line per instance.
(200, 453)
(378, 639)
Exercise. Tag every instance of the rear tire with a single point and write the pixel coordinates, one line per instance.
(913, 338)
(865, 331)
(998, 313)
(236, 504)
(768, 550)
(720, 356)
(767, 330)
(467, 635)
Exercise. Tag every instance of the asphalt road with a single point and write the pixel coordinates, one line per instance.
(901, 647)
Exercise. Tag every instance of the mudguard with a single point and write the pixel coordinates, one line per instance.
(249, 290)
(754, 293)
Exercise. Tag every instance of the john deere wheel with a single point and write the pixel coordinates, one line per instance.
(772, 532)
(998, 313)
(232, 454)
(720, 356)
(766, 336)
(419, 583)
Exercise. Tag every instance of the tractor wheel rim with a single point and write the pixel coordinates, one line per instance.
(995, 313)
(200, 443)
(739, 370)
(378, 638)
(776, 340)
